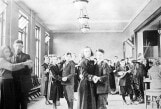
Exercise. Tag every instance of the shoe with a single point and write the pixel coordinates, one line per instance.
(135, 102)
(50, 103)
(131, 102)
(46, 102)
(57, 103)
(125, 102)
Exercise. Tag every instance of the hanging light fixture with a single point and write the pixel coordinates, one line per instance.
(85, 28)
(159, 29)
(80, 4)
(83, 18)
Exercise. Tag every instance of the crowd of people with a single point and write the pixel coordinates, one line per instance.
(92, 76)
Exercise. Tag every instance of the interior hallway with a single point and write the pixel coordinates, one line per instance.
(115, 102)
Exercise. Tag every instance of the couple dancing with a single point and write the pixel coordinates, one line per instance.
(15, 76)
(94, 85)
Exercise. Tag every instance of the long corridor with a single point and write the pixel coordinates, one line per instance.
(115, 102)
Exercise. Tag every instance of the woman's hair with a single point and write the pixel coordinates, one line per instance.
(86, 48)
(2, 48)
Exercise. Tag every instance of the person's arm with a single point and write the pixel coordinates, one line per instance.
(83, 70)
(106, 71)
(72, 70)
(9, 66)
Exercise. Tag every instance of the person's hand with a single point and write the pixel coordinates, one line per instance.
(64, 79)
(81, 76)
(47, 70)
(29, 63)
(95, 79)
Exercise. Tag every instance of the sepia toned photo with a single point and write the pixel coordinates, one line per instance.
(80, 54)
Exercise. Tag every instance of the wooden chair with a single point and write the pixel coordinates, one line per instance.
(154, 97)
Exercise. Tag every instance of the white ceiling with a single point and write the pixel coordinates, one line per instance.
(105, 15)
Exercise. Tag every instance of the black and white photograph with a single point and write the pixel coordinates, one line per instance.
(80, 54)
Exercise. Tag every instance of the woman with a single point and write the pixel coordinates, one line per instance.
(6, 86)
(155, 75)
(45, 78)
(54, 82)
(86, 93)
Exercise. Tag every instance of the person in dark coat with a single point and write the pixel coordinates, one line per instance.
(138, 74)
(125, 81)
(68, 79)
(86, 88)
(102, 85)
(45, 78)
(22, 78)
(7, 92)
(54, 82)
(116, 68)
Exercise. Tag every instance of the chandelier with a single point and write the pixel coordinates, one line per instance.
(85, 28)
(83, 18)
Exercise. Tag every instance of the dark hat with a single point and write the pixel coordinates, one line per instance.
(18, 41)
(135, 61)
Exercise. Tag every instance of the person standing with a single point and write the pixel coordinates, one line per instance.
(7, 92)
(86, 88)
(45, 78)
(116, 66)
(68, 79)
(54, 82)
(125, 81)
(22, 78)
(102, 85)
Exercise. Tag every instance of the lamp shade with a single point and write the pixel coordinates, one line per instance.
(84, 19)
(85, 28)
(80, 4)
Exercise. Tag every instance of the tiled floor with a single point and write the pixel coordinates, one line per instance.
(115, 102)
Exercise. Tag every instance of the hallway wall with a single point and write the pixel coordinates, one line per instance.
(112, 43)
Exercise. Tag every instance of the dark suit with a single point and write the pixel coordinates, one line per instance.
(103, 71)
(22, 81)
(69, 72)
(102, 86)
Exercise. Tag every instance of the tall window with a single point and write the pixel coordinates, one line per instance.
(151, 43)
(47, 38)
(23, 30)
(37, 57)
(2, 27)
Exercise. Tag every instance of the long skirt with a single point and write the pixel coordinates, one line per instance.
(86, 95)
(112, 81)
(54, 92)
(7, 94)
(102, 101)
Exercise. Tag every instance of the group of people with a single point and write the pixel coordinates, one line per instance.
(93, 77)
(15, 76)
(62, 76)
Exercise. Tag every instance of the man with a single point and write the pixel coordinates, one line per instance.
(102, 85)
(68, 79)
(116, 66)
(45, 78)
(22, 78)
(125, 81)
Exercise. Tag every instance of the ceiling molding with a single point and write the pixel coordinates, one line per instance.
(137, 13)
